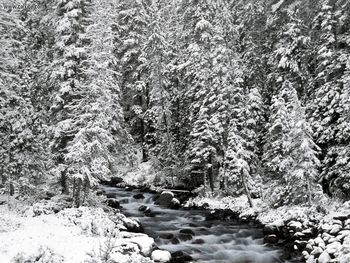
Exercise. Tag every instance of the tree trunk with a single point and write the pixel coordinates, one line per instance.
(143, 134)
(12, 189)
(309, 191)
(64, 183)
(3, 176)
(210, 173)
(86, 190)
(77, 192)
(246, 190)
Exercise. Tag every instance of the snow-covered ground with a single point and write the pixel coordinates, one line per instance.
(143, 174)
(82, 234)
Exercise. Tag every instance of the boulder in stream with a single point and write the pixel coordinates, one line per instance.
(185, 237)
(115, 180)
(138, 196)
(132, 225)
(175, 203)
(112, 202)
(166, 235)
(110, 195)
(165, 199)
(161, 255)
(187, 231)
(180, 257)
(271, 239)
(143, 208)
(198, 241)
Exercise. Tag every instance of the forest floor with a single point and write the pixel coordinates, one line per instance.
(41, 233)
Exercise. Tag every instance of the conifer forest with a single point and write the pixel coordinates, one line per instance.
(175, 131)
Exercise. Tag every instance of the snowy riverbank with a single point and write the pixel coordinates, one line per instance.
(48, 233)
(320, 233)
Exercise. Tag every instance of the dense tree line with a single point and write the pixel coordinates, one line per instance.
(239, 96)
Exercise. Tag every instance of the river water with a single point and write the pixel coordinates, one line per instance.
(212, 242)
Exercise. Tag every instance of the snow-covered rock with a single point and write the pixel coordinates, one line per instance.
(347, 223)
(319, 242)
(342, 234)
(144, 242)
(333, 248)
(161, 256)
(295, 225)
(335, 229)
(311, 259)
(175, 203)
(317, 251)
(324, 258)
(132, 225)
(326, 228)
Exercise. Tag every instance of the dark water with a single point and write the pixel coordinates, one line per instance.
(224, 242)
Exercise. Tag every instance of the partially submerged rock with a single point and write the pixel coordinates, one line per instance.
(114, 203)
(132, 225)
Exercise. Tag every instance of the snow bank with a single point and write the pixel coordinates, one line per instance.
(144, 174)
(72, 235)
(237, 204)
(261, 210)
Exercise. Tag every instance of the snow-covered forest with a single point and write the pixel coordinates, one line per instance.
(245, 104)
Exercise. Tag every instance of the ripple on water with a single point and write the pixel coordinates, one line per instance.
(220, 241)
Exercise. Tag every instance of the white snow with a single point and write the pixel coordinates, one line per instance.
(161, 256)
(144, 242)
(324, 257)
(29, 234)
(143, 175)
(276, 6)
(72, 235)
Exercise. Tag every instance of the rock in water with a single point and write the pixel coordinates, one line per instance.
(187, 231)
(161, 256)
(166, 235)
(138, 196)
(132, 225)
(179, 256)
(175, 203)
(112, 202)
(165, 199)
(271, 239)
(143, 208)
(110, 195)
(115, 180)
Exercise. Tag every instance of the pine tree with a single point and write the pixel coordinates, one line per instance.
(131, 34)
(290, 154)
(22, 148)
(212, 73)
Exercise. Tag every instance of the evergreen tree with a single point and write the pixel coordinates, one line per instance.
(330, 94)
(290, 154)
(130, 36)
(22, 148)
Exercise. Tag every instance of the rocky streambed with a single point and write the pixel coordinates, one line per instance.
(197, 235)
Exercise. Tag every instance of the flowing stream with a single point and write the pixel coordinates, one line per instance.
(213, 241)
